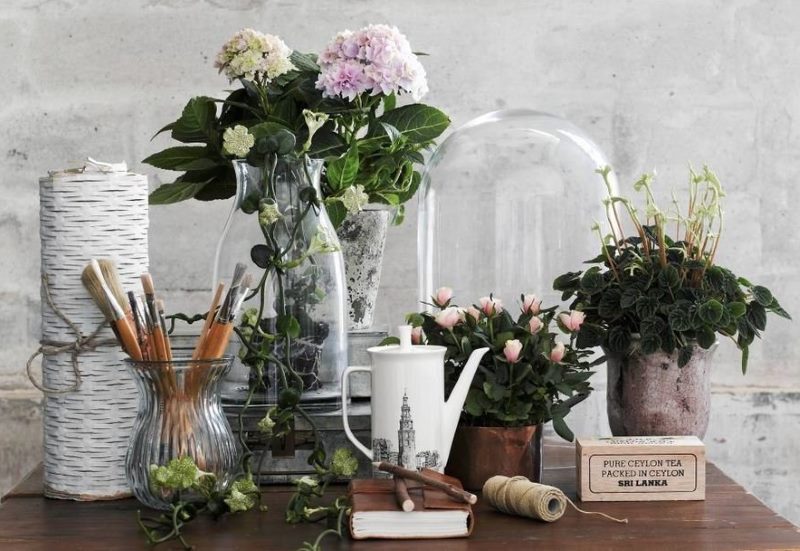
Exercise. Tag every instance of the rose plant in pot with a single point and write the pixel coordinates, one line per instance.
(657, 301)
(528, 378)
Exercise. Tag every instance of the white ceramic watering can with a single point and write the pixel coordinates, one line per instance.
(412, 425)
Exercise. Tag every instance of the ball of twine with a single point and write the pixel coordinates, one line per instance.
(519, 496)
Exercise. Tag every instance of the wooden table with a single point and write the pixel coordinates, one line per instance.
(729, 518)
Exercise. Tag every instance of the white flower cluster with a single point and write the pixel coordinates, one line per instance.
(253, 55)
(377, 59)
(237, 141)
(355, 199)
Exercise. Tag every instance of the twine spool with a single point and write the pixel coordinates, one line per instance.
(90, 401)
(520, 496)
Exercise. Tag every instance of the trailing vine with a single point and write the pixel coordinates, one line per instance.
(267, 342)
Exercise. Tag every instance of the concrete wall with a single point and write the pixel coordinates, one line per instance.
(656, 84)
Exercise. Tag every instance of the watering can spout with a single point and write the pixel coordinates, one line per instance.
(455, 403)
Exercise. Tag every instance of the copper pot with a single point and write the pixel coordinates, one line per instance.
(479, 453)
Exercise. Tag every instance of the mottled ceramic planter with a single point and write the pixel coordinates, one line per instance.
(363, 237)
(649, 395)
(479, 453)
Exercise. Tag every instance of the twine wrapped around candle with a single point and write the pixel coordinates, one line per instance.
(520, 496)
(51, 348)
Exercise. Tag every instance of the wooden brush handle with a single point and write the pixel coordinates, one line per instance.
(128, 339)
(212, 311)
(159, 344)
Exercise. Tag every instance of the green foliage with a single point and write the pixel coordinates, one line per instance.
(368, 142)
(533, 390)
(667, 291)
(193, 493)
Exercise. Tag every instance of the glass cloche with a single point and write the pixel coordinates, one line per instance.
(506, 205)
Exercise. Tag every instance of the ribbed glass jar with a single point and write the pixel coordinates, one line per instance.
(179, 415)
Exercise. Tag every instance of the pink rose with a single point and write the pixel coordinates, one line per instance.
(491, 305)
(531, 305)
(416, 335)
(558, 351)
(512, 351)
(535, 325)
(448, 318)
(572, 321)
(474, 312)
(442, 296)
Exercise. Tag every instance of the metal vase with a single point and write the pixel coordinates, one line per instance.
(649, 395)
(362, 237)
(479, 453)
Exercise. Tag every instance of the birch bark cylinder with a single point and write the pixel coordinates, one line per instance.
(85, 215)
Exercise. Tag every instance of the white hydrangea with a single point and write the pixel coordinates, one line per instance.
(237, 141)
(253, 55)
(268, 213)
(354, 199)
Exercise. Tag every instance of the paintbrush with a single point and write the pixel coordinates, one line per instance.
(162, 322)
(220, 332)
(137, 312)
(111, 277)
(236, 281)
(212, 312)
(153, 326)
(95, 283)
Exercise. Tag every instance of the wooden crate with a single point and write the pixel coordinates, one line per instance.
(641, 468)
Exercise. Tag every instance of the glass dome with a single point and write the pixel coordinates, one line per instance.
(506, 205)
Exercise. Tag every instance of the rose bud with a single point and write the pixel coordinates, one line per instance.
(442, 296)
(491, 305)
(558, 351)
(572, 321)
(531, 305)
(512, 351)
(535, 325)
(416, 335)
(448, 318)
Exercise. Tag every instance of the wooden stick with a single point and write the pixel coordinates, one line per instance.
(449, 489)
(401, 493)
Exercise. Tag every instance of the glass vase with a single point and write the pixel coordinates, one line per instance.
(179, 415)
(277, 213)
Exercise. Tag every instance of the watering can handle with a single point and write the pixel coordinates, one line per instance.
(345, 384)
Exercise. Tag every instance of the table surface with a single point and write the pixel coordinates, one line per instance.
(729, 518)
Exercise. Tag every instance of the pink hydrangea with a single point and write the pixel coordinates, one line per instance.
(345, 79)
(385, 57)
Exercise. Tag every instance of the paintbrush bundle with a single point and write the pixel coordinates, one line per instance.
(139, 323)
